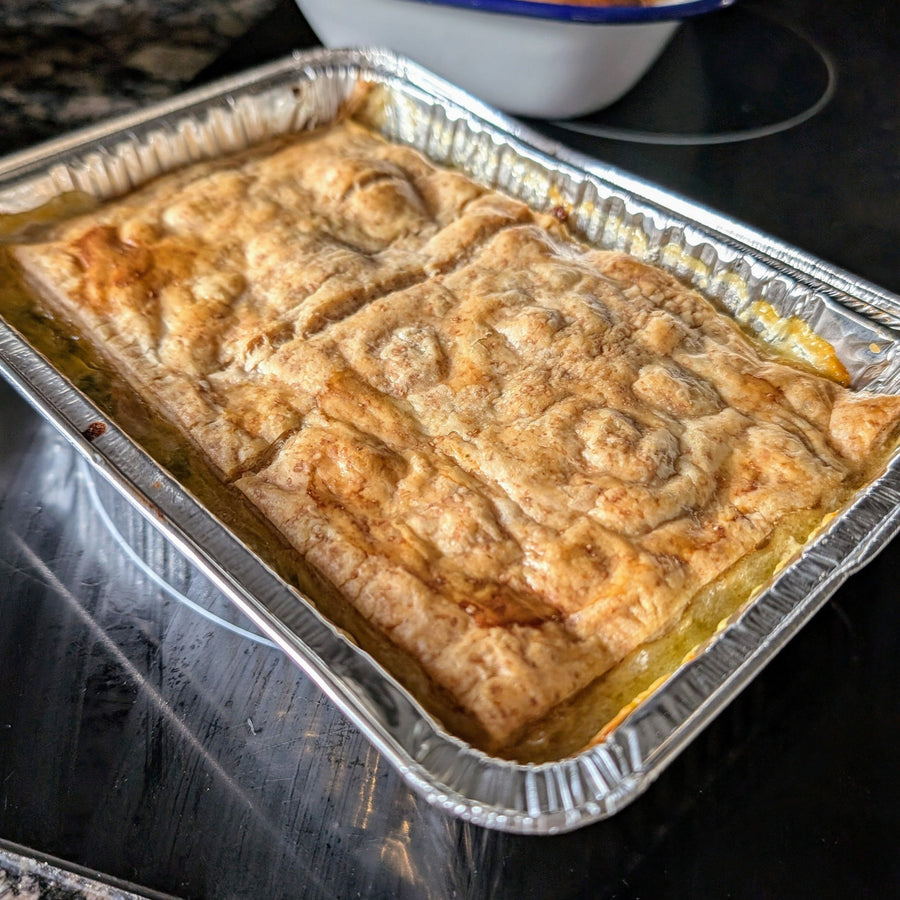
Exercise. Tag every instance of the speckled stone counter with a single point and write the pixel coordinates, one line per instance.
(67, 63)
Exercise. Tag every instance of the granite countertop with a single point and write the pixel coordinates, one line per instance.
(67, 63)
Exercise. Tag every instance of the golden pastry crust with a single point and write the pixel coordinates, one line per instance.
(519, 458)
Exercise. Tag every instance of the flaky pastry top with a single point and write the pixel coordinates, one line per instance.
(518, 457)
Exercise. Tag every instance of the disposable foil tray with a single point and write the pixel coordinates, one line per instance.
(732, 264)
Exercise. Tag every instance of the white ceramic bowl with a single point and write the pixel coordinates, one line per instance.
(533, 59)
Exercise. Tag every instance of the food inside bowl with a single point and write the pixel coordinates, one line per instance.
(611, 3)
(606, 2)
(527, 474)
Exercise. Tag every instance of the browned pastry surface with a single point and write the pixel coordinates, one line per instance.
(517, 457)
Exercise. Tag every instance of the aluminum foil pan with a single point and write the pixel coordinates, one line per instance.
(734, 264)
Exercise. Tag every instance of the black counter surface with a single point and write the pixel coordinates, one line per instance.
(144, 743)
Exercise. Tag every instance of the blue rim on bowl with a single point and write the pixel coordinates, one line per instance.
(589, 14)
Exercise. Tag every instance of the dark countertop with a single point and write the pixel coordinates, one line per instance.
(143, 741)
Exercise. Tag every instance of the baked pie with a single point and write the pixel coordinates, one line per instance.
(517, 459)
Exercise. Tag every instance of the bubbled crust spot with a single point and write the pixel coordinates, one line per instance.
(516, 456)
